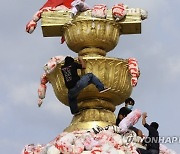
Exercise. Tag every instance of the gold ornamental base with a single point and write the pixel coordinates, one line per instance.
(90, 118)
(96, 108)
(92, 38)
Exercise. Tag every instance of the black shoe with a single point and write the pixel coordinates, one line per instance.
(82, 109)
(76, 113)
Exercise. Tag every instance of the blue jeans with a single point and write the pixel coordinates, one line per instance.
(84, 81)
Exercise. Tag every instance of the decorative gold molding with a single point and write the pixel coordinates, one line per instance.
(53, 22)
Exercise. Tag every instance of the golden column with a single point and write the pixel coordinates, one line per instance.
(92, 38)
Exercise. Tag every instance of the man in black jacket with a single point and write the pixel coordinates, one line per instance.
(124, 111)
(152, 141)
(75, 84)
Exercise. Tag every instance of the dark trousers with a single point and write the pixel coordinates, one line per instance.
(81, 84)
(150, 151)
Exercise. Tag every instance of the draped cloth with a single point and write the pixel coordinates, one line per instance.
(55, 3)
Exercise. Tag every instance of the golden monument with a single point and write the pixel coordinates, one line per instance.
(92, 38)
(91, 32)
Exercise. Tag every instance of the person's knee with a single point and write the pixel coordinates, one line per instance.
(90, 74)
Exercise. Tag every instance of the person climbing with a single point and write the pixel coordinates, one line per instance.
(124, 111)
(152, 141)
(75, 84)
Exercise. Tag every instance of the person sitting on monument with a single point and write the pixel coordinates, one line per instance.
(152, 141)
(75, 84)
(124, 111)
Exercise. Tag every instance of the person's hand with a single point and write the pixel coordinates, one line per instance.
(144, 114)
(80, 58)
(82, 62)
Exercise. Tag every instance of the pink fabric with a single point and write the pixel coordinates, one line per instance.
(130, 120)
(50, 5)
(106, 141)
(30, 27)
(134, 71)
(99, 10)
(119, 11)
(48, 68)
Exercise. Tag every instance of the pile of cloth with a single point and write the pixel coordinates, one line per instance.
(97, 140)
(107, 141)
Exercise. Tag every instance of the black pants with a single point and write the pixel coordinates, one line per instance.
(150, 151)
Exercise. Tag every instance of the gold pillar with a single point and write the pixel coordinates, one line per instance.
(92, 38)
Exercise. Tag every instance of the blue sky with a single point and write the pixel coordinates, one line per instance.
(23, 56)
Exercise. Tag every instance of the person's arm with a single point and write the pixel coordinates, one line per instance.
(139, 133)
(82, 62)
(121, 113)
(121, 117)
(144, 115)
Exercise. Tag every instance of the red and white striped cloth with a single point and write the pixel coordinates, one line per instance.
(31, 25)
(50, 5)
(165, 150)
(76, 143)
(42, 89)
(134, 71)
(106, 141)
(48, 68)
(52, 63)
(99, 11)
(119, 11)
(130, 120)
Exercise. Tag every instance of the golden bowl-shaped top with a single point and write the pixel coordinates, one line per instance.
(102, 34)
(113, 72)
